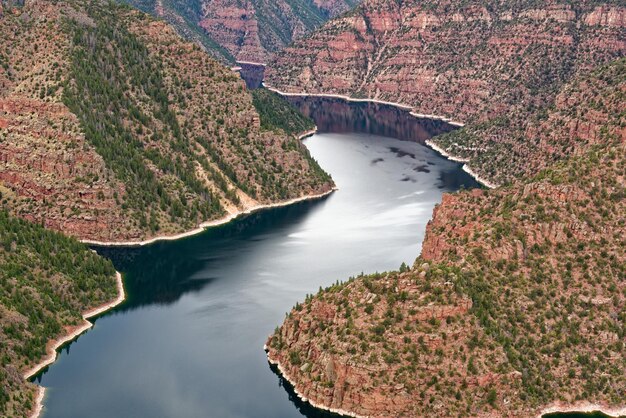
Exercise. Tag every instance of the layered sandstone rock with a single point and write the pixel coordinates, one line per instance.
(517, 302)
(254, 29)
(249, 30)
(467, 61)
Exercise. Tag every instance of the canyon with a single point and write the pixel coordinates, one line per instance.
(486, 64)
(188, 338)
(115, 130)
(515, 305)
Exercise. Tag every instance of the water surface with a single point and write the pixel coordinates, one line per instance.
(596, 414)
(188, 342)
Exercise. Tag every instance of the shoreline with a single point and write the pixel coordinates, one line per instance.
(352, 99)
(556, 407)
(307, 134)
(479, 179)
(443, 152)
(302, 397)
(583, 407)
(208, 224)
(53, 346)
(465, 167)
(260, 64)
(428, 142)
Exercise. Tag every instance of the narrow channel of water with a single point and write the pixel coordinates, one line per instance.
(188, 342)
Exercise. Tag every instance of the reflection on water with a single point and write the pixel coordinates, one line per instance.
(188, 340)
(179, 273)
(304, 408)
(340, 116)
(333, 115)
(252, 74)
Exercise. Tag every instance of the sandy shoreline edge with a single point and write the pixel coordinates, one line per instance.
(307, 134)
(205, 225)
(54, 345)
(584, 407)
(466, 167)
(479, 179)
(260, 64)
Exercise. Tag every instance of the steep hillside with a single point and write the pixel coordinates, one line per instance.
(248, 30)
(278, 114)
(588, 111)
(46, 282)
(113, 128)
(465, 60)
(517, 302)
(478, 62)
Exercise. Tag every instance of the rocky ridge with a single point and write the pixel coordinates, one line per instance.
(487, 64)
(516, 303)
(169, 139)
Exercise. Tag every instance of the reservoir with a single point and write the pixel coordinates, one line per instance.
(188, 342)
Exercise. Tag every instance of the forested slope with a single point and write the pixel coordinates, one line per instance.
(114, 128)
(47, 281)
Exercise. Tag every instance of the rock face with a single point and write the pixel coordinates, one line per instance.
(464, 60)
(516, 303)
(487, 64)
(584, 113)
(129, 133)
(249, 30)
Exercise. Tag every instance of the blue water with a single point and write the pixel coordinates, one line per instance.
(188, 341)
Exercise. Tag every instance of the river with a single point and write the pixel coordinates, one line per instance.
(188, 342)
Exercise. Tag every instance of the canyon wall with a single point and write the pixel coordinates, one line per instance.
(465, 60)
(487, 64)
